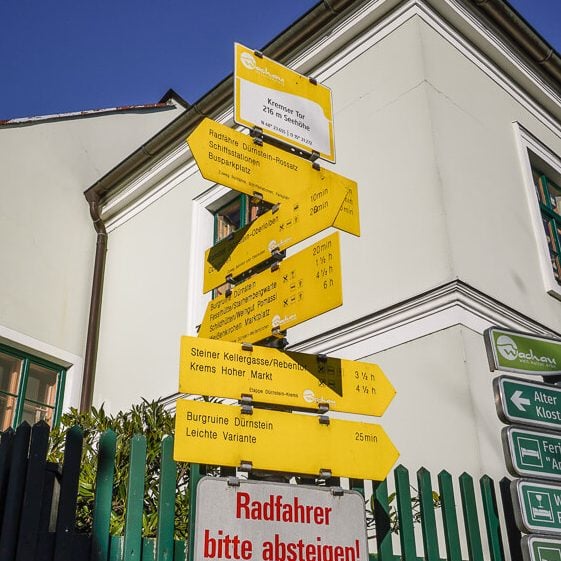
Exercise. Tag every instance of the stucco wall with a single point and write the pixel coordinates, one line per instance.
(47, 240)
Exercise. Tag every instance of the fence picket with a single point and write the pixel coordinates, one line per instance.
(6, 444)
(33, 495)
(428, 518)
(116, 548)
(382, 520)
(513, 534)
(166, 504)
(66, 518)
(406, 529)
(103, 496)
(471, 522)
(148, 549)
(492, 522)
(14, 492)
(135, 500)
(449, 517)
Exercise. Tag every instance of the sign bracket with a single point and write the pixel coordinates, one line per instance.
(233, 481)
(246, 466)
(325, 474)
(246, 403)
(257, 134)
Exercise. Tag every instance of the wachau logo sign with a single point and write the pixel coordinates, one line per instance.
(521, 352)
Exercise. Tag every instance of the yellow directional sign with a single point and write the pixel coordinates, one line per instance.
(298, 380)
(305, 285)
(211, 433)
(277, 229)
(232, 159)
(283, 103)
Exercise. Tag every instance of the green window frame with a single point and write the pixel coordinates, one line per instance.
(31, 388)
(233, 215)
(549, 198)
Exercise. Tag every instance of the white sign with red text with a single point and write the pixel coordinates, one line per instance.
(254, 520)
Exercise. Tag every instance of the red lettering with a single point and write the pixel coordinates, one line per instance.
(226, 547)
(242, 502)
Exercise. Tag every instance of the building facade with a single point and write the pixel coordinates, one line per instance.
(448, 116)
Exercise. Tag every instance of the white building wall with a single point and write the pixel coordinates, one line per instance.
(47, 240)
(488, 218)
(428, 136)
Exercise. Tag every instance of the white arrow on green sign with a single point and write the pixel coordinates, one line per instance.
(529, 403)
(541, 548)
(538, 506)
(532, 453)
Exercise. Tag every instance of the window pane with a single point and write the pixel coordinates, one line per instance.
(7, 410)
(539, 184)
(10, 368)
(33, 413)
(41, 384)
(555, 197)
(229, 219)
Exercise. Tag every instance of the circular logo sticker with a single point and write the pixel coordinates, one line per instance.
(309, 396)
(507, 347)
(248, 61)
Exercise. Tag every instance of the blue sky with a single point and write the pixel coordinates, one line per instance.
(59, 56)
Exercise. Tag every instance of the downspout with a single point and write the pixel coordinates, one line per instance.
(92, 336)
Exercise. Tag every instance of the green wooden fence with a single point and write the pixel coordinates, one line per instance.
(27, 508)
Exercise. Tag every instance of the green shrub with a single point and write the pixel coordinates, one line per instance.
(147, 418)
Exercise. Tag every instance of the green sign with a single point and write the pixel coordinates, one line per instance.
(529, 403)
(538, 506)
(532, 453)
(522, 352)
(541, 548)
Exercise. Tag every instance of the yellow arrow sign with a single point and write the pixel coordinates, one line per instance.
(305, 285)
(231, 158)
(278, 229)
(211, 433)
(299, 380)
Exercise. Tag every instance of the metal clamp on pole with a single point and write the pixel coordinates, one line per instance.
(246, 466)
(247, 347)
(323, 408)
(258, 53)
(275, 267)
(337, 491)
(275, 208)
(323, 420)
(313, 81)
(229, 279)
(233, 481)
(246, 402)
(277, 255)
(257, 134)
(314, 156)
(256, 198)
(325, 473)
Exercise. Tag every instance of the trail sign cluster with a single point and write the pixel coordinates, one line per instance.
(532, 442)
(268, 293)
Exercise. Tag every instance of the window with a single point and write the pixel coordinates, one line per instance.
(31, 389)
(549, 197)
(235, 214)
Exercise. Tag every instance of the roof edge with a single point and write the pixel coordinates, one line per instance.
(295, 38)
(300, 33)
